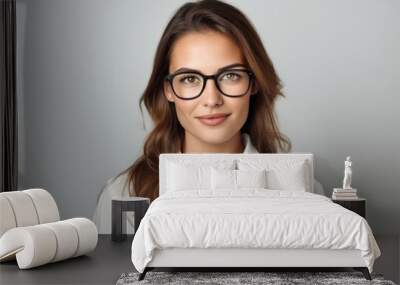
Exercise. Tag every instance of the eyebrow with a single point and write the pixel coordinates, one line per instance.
(186, 69)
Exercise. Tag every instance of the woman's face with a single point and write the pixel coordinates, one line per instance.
(207, 52)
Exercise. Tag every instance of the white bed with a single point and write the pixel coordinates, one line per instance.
(193, 225)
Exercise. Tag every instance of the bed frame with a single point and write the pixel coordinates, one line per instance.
(248, 259)
(238, 259)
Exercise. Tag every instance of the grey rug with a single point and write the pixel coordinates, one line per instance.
(229, 278)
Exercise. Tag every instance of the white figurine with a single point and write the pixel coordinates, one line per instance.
(347, 174)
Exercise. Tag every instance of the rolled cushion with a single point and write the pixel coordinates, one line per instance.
(23, 208)
(26, 208)
(7, 219)
(44, 243)
(87, 235)
(45, 205)
(67, 237)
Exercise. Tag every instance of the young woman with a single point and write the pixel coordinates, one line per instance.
(212, 89)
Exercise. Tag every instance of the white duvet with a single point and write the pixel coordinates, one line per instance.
(251, 218)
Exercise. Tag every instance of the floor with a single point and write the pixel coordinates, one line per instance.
(110, 260)
(102, 266)
(388, 263)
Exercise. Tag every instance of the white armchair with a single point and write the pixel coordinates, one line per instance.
(31, 231)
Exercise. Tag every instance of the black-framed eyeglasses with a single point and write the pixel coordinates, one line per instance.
(231, 82)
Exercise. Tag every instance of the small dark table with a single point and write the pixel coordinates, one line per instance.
(357, 205)
(119, 205)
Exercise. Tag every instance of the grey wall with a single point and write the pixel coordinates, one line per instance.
(83, 64)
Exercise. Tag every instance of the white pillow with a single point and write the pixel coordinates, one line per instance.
(281, 174)
(223, 179)
(236, 179)
(251, 178)
(183, 176)
(292, 178)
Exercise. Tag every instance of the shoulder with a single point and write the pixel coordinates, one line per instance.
(115, 186)
(318, 188)
(248, 145)
(119, 185)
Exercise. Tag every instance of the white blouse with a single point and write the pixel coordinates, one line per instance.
(118, 187)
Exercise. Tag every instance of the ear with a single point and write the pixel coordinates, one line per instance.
(168, 92)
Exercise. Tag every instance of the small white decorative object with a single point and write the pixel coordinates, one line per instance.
(347, 192)
(347, 174)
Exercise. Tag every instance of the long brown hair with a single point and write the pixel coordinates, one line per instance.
(167, 135)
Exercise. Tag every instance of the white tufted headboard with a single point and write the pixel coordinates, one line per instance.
(209, 158)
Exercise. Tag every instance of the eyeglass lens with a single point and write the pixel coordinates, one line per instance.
(231, 82)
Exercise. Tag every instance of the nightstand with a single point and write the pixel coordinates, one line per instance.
(139, 205)
(357, 205)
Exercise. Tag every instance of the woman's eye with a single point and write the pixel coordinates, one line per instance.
(231, 76)
(189, 79)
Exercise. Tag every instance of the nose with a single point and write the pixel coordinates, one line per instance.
(211, 95)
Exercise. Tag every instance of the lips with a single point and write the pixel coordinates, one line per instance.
(216, 115)
(213, 120)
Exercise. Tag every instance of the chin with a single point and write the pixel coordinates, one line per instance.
(215, 136)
